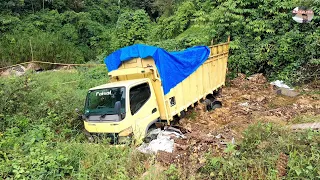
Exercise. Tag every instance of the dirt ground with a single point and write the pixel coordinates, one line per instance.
(245, 101)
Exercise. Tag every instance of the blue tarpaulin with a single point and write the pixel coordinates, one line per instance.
(173, 67)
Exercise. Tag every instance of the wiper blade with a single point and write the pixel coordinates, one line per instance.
(103, 115)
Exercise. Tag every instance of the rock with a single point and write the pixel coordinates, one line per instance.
(257, 78)
(246, 96)
(183, 147)
(314, 126)
(280, 84)
(203, 122)
(260, 99)
(17, 70)
(5, 73)
(202, 160)
(287, 92)
(188, 127)
(33, 66)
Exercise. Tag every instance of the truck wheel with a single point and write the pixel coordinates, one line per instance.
(216, 104)
(207, 103)
(182, 114)
(149, 137)
(217, 93)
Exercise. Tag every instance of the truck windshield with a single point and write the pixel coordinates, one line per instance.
(102, 101)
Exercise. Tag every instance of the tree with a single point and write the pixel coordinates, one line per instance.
(132, 27)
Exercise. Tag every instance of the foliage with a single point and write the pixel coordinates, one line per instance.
(41, 135)
(259, 151)
(41, 98)
(264, 38)
(172, 173)
(132, 28)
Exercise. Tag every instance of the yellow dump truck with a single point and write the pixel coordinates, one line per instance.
(146, 88)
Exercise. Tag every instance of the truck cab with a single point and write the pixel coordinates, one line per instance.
(121, 110)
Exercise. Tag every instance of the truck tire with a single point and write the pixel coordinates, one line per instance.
(182, 114)
(216, 104)
(212, 105)
(208, 105)
(148, 138)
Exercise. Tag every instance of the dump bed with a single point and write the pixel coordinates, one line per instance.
(193, 84)
(207, 78)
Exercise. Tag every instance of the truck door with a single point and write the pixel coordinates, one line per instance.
(143, 108)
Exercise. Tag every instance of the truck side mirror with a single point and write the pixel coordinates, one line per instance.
(83, 117)
(117, 109)
(80, 117)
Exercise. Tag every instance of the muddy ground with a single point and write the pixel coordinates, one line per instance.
(244, 102)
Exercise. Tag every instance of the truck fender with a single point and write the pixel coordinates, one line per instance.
(150, 124)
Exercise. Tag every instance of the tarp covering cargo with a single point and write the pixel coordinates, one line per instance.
(173, 67)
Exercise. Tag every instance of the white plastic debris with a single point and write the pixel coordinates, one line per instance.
(280, 84)
(218, 136)
(245, 104)
(155, 131)
(164, 142)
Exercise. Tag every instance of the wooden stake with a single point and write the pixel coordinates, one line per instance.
(31, 50)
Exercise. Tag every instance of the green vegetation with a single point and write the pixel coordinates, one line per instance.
(41, 135)
(264, 37)
(257, 156)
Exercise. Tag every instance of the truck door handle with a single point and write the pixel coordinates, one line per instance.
(154, 110)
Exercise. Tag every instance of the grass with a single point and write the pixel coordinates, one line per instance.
(306, 119)
(41, 137)
(192, 114)
(257, 156)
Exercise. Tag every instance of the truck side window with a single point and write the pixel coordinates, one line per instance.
(139, 95)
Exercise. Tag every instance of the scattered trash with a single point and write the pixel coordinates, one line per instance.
(245, 104)
(218, 136)
(152, 135)
(164, 140)
(284, 89)
(287, 92)
(169, 130)
(280, 84)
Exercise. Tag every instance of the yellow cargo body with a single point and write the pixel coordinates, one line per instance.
(207, 78)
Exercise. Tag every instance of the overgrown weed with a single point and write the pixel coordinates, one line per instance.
(259, 151)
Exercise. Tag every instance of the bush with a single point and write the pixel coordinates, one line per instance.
(41, 137)
(48, 96)
(258, 155)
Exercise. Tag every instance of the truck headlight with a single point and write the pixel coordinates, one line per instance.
(126, 132)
